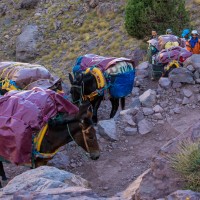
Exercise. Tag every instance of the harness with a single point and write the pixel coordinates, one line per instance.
(37, 141)
(101, 83)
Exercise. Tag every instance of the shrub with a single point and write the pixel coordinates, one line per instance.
(187, 163)
(142, 16)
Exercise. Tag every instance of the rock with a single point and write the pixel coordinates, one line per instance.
(143, 66)
(104, 9)
(191, 68)
(93, 3)
(26, 44)
(148, 98)
(187, 93)
(185, 101)
(196, 75)
(131, 122)
(157, 116)
(130, 131)
(138, 55)
(164, 83)
(148, 111)
(181, 75)
(142, 73)
(3, 9)
(144, 127)
(178, 100)
(57, 25)
(107, 129)
(198, 81)
(130, 111)
(78, 22)
(183, 195)
(198, 97)
(158, 109)
(28, 4)
(47, 183)
(135, 103)
(177, 110)
(60, 160)
(138, 117)
(162, 180)
(176, 85)
(136, 91)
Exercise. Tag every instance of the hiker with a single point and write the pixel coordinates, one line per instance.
(169, 31)
(193, 44)
(184, 37)
(154, 35)
(185, 34)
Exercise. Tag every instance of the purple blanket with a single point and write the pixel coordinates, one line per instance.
(23, 114)
(174, 53)
(101, 62)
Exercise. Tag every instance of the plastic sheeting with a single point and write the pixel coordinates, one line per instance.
(174, 53)
(103, 63)
(23, 114)
(25, 74)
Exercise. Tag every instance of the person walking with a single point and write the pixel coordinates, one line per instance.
(193, 44)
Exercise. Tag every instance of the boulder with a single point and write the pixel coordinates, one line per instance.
(26, 44)
(162, 180)
(47, 183)
(148, 98)
(108, 130)
(144, 127)
(181, 75)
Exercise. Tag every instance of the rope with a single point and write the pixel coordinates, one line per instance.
(85, 155)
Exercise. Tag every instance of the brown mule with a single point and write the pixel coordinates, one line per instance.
(78, 128)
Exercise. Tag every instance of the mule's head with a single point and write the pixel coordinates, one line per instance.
(76, 90)
(87, 138)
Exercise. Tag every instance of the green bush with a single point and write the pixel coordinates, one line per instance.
(142, 16)
(187, 163)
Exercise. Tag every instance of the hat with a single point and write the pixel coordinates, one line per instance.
(168, 31)
(194, 32)
(185, 32)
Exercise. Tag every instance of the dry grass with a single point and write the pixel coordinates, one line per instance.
(187, 163)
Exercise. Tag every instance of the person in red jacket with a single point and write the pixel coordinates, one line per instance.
(193, 45)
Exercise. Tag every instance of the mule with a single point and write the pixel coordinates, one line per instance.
(79, 129)
(84, 85)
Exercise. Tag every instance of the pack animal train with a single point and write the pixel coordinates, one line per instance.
(97, 77)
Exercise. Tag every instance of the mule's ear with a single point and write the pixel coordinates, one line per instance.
(79, 77)
(90, 112)
(71, 78)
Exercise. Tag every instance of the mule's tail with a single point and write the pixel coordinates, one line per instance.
(122, 102)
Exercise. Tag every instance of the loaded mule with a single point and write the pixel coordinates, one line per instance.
(25, 76)
(96, 77)
(37, 122)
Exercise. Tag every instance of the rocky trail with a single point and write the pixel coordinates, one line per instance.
(123, 160)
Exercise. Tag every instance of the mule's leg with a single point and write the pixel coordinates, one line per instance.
(115, 105)
(2, 172)
(0, 185)
(95, 104)
(122, 101)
